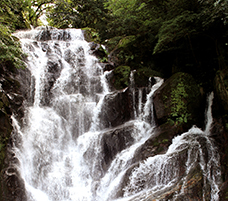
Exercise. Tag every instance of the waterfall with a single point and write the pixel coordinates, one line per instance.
(67, 152)
(162, 171)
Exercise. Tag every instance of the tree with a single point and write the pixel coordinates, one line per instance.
(173, 34)
(33, 9)
(78, 14)
(21, 14)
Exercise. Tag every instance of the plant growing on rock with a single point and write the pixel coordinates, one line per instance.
(179, 112)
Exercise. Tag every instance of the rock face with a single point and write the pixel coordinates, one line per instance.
(11, 99)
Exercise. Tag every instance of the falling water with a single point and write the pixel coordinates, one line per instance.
(62, 141)
(163, 171)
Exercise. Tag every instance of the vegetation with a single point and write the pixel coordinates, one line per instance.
(14, 15)
(10, 51)
(78, 14)
(189, 36)
(121, 77)
(179, 113)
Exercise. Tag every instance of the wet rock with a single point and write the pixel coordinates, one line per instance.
(11, 99)
(144, 77)
(117, 108)
(77, 58)
(50, 33)
(158, 143)
(98, 51)
(114, 141)
(44, 35)
(188, 183)
(54, 67)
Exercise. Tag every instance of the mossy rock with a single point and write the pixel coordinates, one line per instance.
(91, 35)
(179, 102)
(121, 77)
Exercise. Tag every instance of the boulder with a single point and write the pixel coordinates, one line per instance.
(117, 108)
(54, 68)
(179, 102)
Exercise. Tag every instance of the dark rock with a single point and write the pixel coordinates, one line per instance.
(54, 67)
(107, 66)
(44, 35)
(98, 51)
(192, 181)
(158, 143)
(93, 46)
(117, 108)
(77, 57)
(11, 99)
(144, 77)
(114, 141)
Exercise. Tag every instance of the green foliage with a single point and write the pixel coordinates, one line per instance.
(10, 50)
(103, 54)
(179, 111)
(91, 34)
(21, 14)
(11, 14)
(122, 74)
(125, 41)
(78, 14)
(175, 29)
(169, 33)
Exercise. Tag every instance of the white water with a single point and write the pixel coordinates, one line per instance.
(163, 171)
(60, 155)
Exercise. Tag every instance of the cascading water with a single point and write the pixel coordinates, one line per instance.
(66, 152)
(164, 171)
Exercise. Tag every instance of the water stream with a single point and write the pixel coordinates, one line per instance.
(62, 137)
